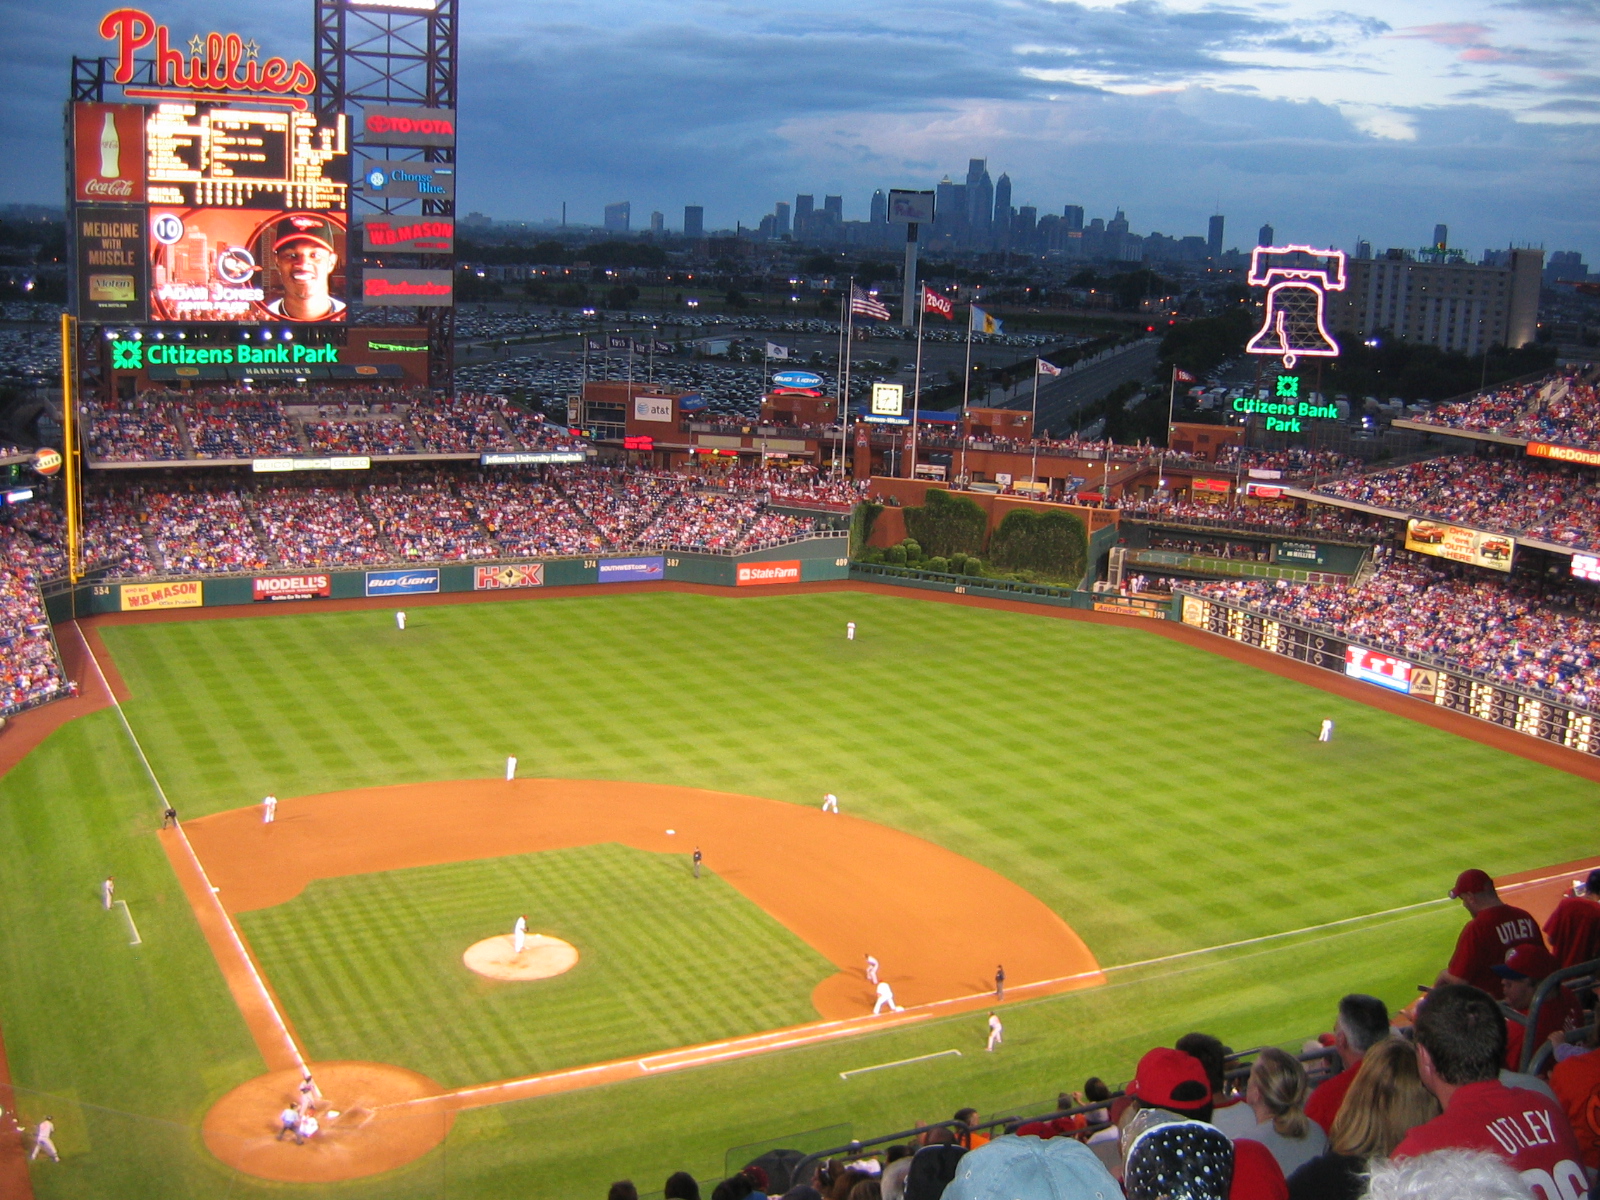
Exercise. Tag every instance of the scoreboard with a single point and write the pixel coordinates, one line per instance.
(233, 157)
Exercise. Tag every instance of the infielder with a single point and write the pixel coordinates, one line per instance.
(400, 621)
(519, 934)
(885, 999)
(1327, 732)
(697, 862)
(849, 631)
(107, 889)
(1000, 982)
(872, 969)
(41, 1141)
(269, 810)
(511, 767)
(830, 803)
(996, 1030)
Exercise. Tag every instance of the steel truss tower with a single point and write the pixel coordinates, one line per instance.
(402, 53)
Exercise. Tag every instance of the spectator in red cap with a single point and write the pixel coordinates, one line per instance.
(1524, 969)
(1574, 927)
(1495, 929)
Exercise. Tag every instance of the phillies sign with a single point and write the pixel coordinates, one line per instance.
(214, 62)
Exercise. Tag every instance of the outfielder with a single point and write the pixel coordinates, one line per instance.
(519, 934)
(830, 803)
(996, 1030)
(697, 862)
(41, 1141)
(872, 969)
(885, 999)
(511, 767)
(1327, 732)
(269, 810)
(849, 631)
(400, 621)
(107, 889)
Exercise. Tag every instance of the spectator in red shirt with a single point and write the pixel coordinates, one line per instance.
(1574, 927)
(1495, 929)
(1524, 970)
(1576, 1081)
(1363, 1022)
(1461, 1041)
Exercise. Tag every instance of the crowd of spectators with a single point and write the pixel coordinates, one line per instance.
(1264, 517)
(1563, 408)
(1505, 495)
(30, 671)
(203, 525)
(1295, 462)
(1211, 547)
(241, 423)
(1522, 633)
(1419, 1105)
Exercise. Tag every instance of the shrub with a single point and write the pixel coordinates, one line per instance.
(945, 523)
(1052, 545)
(973, 566)
(958, 563)
(896, 555)
(913, 550)
(936, 564)
(861, 523)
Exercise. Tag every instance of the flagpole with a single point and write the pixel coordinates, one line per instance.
(966, 392)
(1033, 427)
(844, 394)
(916, 387)
(1172, 397)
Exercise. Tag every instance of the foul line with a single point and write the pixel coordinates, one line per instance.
(211, 892)
(132, 928)
(899, 1063)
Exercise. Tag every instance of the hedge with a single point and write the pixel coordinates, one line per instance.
(945, 524)
(1053, 544)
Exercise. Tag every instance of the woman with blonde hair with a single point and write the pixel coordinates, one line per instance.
(1385, 1102)
(1274, 1111)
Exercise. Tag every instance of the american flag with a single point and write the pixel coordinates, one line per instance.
(867, 305)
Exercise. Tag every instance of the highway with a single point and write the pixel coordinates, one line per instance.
(1060, 399)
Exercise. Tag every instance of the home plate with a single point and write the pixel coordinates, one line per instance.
(542, 957)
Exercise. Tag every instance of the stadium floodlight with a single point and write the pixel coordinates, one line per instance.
(401, 5)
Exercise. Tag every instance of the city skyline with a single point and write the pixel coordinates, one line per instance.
(1330, 126)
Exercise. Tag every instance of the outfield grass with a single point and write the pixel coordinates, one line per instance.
(1160, 798)
(369, 966)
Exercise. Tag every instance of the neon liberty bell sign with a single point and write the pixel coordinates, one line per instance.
(1296, 278)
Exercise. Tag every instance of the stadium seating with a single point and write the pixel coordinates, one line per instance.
(1560, 408)
(1525, 634)
(30, 672)
(1252, 517)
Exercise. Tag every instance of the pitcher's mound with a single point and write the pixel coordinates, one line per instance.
(541, 957)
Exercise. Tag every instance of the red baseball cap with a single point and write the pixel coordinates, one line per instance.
(1471, 881)
(1171, 1079)
(1527, 961)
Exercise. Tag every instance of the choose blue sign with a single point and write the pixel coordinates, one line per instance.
(402, 583)
(631, 570)
(798, 379)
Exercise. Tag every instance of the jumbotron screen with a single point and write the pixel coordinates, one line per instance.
(248, 214)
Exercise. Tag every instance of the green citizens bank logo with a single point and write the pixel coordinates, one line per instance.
(127, 355)
(1288, 387)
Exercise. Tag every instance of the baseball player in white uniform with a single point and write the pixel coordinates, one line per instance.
(830, 803)
(849, 631)
(885, 999)
(107, 889)
(307, 1130)
(269, 810)
(519, 934)
(41, 1141)
(1327, 732)
(996, 1032)
(511, 767)
(400, 621)
(872, 969)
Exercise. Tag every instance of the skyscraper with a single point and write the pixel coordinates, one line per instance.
(618, 216)
(944, 206)
(1072, 214)
(1214, 238)
(1001, 222)
(658, 222)
(880, 207)
(980, 202)
(834, 206)
(804, 206)
(780, 214)
(694, 221)
(1441, 237)
(1264, 237)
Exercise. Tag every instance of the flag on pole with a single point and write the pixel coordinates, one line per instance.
(1048, 368)
(619, 342)
(982, 322)
(776, 351)
(597, 343)
(933, 302)
(866, 305)
(1179, 375)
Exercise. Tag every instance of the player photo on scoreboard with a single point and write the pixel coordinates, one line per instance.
(214, 264)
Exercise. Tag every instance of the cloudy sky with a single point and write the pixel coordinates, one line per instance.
(1364, 119)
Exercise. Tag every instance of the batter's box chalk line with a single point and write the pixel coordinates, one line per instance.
(899, 1063)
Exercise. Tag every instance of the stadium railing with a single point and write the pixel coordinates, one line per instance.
(1577, 977)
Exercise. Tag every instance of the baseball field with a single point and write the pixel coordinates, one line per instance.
(1147, 834)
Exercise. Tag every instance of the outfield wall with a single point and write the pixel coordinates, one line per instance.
(1430, 680)
(813, 560)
